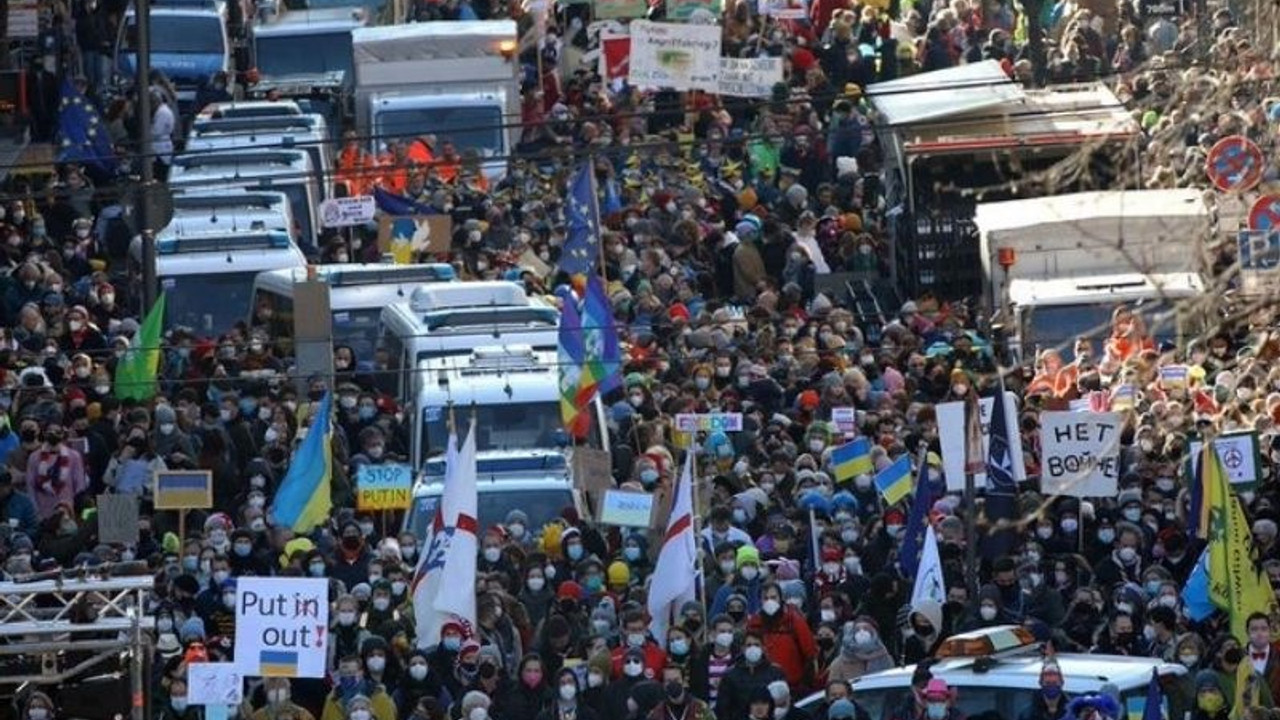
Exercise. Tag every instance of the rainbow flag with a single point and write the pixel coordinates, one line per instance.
(852, 459)
(576, 385)
(278, 663)
(183, 490)
(894, 482)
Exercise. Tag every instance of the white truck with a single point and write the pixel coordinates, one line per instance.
(458, 81)
(1055, 268)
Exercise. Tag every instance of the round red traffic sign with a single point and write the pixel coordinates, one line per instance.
(1235, 164)
(1265, 213)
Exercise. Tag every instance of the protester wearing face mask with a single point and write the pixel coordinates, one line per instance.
(352, 556)
(353, 692)
(750, 675)
(861, 652)
(566, 702)
(280, 702)
(176, 706)
(788, 639)
(747, 583)
(1051, 702)
(1125, 562)
(418, 683)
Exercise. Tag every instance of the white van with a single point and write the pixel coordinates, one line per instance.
(249, 109)
(207, 277)
(288, 171)
(513, 392)
(442, 321)
(198, 211)
(357, 295)
(305, 132)
(998, 669)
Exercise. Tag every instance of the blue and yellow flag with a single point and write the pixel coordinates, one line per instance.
(582, 222)
(1236, 582)
(852, 459)
(82, 136)
(304, 498)
(894, 482)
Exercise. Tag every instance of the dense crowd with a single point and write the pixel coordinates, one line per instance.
(721, 216)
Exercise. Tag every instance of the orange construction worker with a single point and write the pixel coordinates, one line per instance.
(420, 150)
(449, 164)
(395, 168)
(355, 167)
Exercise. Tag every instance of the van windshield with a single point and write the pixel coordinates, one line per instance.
(180, 35)
(470, 127)
(207, 303)
(542, 506)
(359, 329)
(514, 426)
(975, 701)
(1058, 326)
(302, 54)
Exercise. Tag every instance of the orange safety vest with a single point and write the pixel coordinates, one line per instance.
(395, 176)
(355, 171)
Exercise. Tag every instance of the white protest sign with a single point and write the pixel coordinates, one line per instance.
(214, 684)
(282, 626)
(627, 509)
(348, 211)
(676, 56)
(1238, 453)
(846, 420)
(1080, 454)
(749, 77)
(951, 438)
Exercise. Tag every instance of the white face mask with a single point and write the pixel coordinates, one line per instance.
(753, 654)
(987, 612)
(418, 672)
(568, 692)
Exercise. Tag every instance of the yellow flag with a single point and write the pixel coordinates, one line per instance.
(1246, 695)
(1217, 501)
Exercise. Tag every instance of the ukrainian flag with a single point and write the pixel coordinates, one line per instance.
(894, 482)
(278, 663)
(183, 490)
(304, 498)
(852, 459)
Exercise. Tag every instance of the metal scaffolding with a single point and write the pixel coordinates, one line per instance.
(57, 629)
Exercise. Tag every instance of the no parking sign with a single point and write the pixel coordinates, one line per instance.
(1235, 164)
(1265, 213)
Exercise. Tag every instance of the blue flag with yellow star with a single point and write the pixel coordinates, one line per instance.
(82, 136)
(582, 244)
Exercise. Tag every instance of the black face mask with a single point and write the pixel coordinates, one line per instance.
(675, 691)
(488, 670)
(315, 395)
(826, 643)
(29, 436)
(350, 542)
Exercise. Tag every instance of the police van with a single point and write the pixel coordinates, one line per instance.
(207, 277)
(512, 391)
(305, 132)
(197, 210)
(289, 171)
(998, 670)
(189, 43)
(357, 295)
(537, 483)
(451, 320)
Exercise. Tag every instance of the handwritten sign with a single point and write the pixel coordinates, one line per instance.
(118, 519)
(384, 487)
(282, 626)
(709, 422)
(951, 438)
(750, 77)
(784, 9)
(214, 684)
(846, 420)
(1081, 453)
(1239, 455)
(625, 508)
(348, 211)
(679, 57)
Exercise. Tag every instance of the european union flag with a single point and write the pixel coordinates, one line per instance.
(582, 246)
(82, 137)
(399, 205)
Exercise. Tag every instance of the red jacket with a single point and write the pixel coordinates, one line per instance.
(788, 642)
(655, 658)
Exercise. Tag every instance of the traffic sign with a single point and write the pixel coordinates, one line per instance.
(1235, 164)
(1265, 213)
(347, 211)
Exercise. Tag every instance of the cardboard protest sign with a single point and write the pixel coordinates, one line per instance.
(1080, 453)
(282, 626)
(384, 487)
(118, 519)
(675, 56)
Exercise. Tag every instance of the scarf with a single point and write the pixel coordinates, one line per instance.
(53, 470)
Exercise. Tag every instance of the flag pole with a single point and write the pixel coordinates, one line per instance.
(700, 587)
(595, 210)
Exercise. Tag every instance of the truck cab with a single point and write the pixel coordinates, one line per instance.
(307, 54)
(458, 81)
(190, 41)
